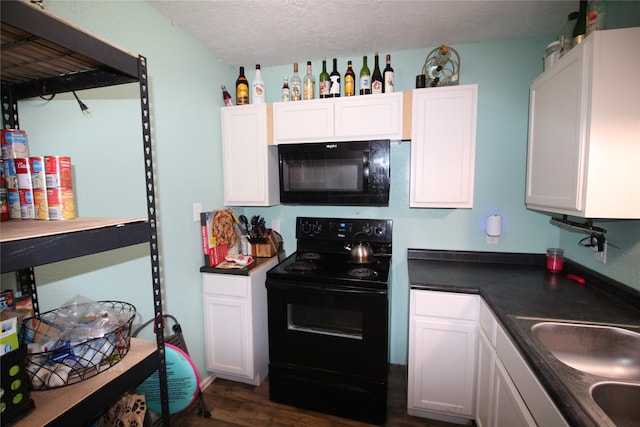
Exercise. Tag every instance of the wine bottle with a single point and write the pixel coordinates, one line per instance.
(376, 77)
(334, 77)
(285, 90)
(365, 78)
(226, 96)
(566, 37)
(308, 84)
(596, 15)
(349, 81)
(324, 80)
(580, 29)
(257, 88)
(295, 84)
(387, 77)
(242, 89)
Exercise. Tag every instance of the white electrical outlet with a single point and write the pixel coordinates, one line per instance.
(275, 225)
(197, 210)
(602, 255)
(492, 240)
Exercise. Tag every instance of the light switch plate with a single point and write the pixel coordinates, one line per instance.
(197, 210)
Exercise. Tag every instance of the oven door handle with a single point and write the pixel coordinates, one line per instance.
(354, 291)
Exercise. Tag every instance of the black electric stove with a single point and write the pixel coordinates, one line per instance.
(328, 319)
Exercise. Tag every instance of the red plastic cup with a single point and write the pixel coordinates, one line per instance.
(555, 260)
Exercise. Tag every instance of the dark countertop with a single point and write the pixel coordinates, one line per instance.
(514, 284)
(245, 271)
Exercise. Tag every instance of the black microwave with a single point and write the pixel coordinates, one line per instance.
(352, 173)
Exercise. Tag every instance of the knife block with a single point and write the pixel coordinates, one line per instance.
(267, 249)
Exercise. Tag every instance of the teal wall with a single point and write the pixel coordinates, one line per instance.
(185, 111)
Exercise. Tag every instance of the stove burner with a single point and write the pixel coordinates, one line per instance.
(309, 256)
(362, 273)
(302, 266)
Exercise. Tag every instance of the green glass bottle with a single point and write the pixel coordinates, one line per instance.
(324, 80)
(365, 78)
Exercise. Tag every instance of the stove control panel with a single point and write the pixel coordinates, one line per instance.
(343, 229)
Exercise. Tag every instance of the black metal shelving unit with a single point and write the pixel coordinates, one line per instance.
(44, 55)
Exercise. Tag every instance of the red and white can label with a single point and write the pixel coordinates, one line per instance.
(58, 171)
(23, 172)
(14, 144)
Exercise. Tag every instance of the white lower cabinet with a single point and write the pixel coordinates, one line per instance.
(442, 355)
(508, 407)
(508, 393)
(235, 311)
(485, 380)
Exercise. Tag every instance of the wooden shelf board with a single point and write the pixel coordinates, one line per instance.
(30, 228)
(51, 404)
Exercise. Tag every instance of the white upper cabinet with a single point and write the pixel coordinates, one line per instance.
(354, 118)
(584, 130)
(443, 145)
(250, 165)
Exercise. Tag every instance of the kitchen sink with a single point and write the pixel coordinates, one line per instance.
(605, 351)
(598, 363)
(619, 401)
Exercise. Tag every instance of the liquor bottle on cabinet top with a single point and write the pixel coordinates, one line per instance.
(567, 33)
(308, 84)
(334, 77)
(242, 89)
(295, 85)
(324, 80)
(580, 29)
(349, 81)
(285, 90)
(365, 78)
(257, 88)
(376, 77)
(596, 16)
(387, 77)
(226, 96)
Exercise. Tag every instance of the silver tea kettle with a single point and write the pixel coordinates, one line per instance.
(360, 253)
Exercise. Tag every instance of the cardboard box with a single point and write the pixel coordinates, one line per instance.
(9, 335)
(215, 248)
(6, 299)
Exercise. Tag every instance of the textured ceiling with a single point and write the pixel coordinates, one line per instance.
(277, 32)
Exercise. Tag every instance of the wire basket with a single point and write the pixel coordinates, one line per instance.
(60, 355)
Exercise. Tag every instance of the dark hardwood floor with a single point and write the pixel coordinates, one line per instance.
(235, 404)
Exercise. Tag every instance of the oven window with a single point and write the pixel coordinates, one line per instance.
(325, 321)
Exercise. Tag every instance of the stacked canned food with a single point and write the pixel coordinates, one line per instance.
(34, 187)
